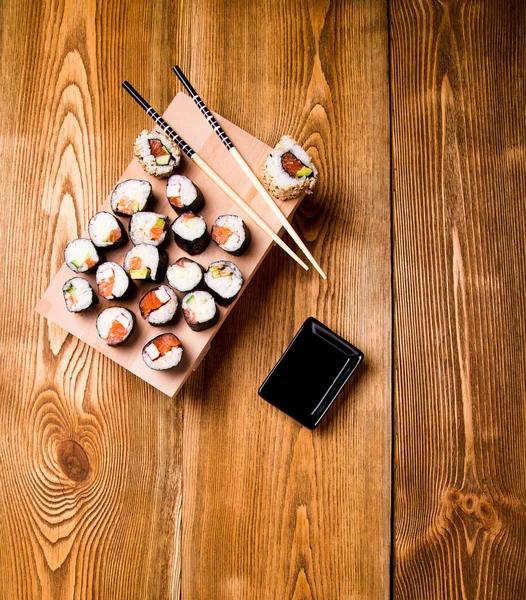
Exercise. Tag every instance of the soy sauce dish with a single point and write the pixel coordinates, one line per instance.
(311, 373)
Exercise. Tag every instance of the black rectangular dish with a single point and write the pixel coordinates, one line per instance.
(311, 373)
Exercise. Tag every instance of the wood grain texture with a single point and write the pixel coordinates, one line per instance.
(93, 460)
(272, 510)
(459, 149)
(91, 456)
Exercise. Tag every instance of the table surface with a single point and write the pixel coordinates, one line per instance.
(414, 486)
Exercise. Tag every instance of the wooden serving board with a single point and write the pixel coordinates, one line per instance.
(185, 118)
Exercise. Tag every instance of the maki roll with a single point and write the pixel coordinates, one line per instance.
(163, 352)
(78, 295)
(185, 275)
(190, 233)
(184, 195)
(158, 306)
(81, 256)
(200, 311)
(115, 325)
(130, 196)
(148, 228)
(146, 262)
(106, 231)
(288, 171)
(223, 280)
(112, 281)
(231, 234)
(158, 155)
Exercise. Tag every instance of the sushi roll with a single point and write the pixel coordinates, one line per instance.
(148, 228)
(158, 155)
(185, 275)
(184, 195)
(130, 197)
(115, 325)
(288, 171)
(231, 234)
(112, 281)
(158, 306)
(106, 231)
(78, 295)
(200, 311)
(190, 233)
(146, 262)
(81, 256)
(163, 352)
(223, 280)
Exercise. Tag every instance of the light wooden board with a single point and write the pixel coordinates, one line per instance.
(184, 116)
(459, 142)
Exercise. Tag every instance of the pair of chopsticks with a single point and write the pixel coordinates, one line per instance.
(218, 180)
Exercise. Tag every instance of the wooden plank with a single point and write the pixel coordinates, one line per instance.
(272, 510)
(459, 143)
(90, 479)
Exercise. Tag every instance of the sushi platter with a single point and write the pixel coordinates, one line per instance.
(184, 117)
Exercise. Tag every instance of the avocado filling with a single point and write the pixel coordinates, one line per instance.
(140, 273)
(220, 271)
(294, 167)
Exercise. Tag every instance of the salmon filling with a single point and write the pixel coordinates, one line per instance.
(157, 149)
(136, 263)
(291, 164)
(177, 201)
(156, 233)
(115, 235)
(221, 235)
(190, 315)
(90, 262)
(151, 302)
(127, 206)
(106, 287)
(165, 343)
(117, 333)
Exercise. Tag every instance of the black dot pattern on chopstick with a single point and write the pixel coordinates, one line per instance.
(213, 122)
(158, 119)
(170, 132)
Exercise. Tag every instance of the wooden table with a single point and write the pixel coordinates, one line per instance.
(414, 487)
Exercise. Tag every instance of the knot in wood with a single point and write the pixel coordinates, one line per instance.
(73, 460)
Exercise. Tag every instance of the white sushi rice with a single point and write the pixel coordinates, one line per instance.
(77, 254)
(147, 159)
(204, 306)
(179, 186)
(184, 275)
(227, 286)
(112, 269)
(140, 226)
(280, 184)
(100, 227)
(152, 358)
(136, 190)
(235, 225)
(149, 256)
(166, 312)
(114, 313)
(80, 297)
(189, 226)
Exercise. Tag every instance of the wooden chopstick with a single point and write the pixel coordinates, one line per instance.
(244, 166)
(210, 172)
